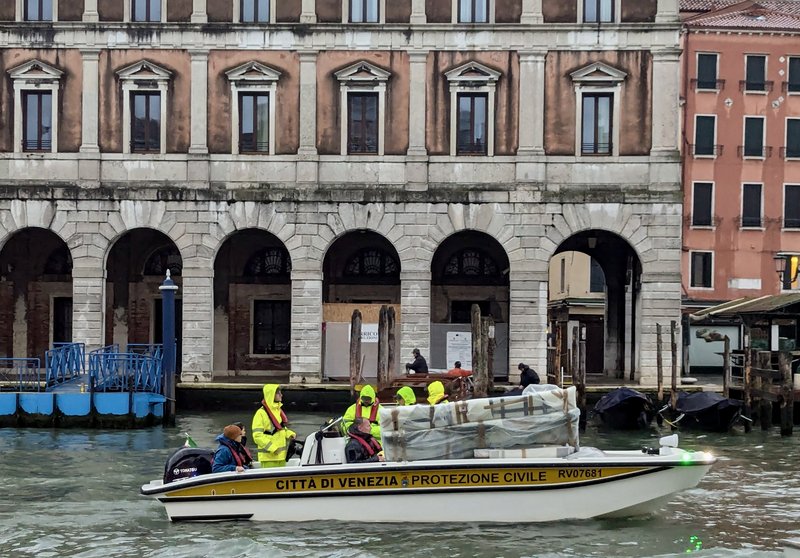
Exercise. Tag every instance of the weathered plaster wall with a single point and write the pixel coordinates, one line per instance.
(638, 11)
(329, 11)
(179, 11)
(398, 11)
(288, 10)
(507, 11)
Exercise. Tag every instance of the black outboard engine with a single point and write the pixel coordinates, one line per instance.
(185, 463)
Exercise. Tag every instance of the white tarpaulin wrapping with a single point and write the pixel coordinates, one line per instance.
(455, 430)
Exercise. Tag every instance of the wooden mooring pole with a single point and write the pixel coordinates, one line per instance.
(579, 379)
(764, 385)
(673, 396)
(726, 367)
(391, 337)
(479, 369)
(659, 365)
(786, 398)
(383, 348)
(355, 350)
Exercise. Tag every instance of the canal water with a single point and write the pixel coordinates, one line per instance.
(75, 493)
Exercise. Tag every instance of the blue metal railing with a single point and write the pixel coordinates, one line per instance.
(26, 373)
(64, 362)
(110, 370)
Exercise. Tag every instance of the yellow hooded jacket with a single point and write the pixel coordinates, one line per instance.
(407, 395)
(366, 412)
(272, 441)
(436, 393)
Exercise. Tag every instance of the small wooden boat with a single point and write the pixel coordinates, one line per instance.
(625, 409)
(706, 411)
(465, 461)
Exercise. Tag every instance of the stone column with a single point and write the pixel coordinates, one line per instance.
(531, 13)
(418, 15)
(666, 114)
(199, 102)
(417, 159)
(415, 314)
(88, 302)
(306, 335)
(90, 10)
(197, 293)
(91, 101)
(307, 163)
(527, 328)
(199, 14)
(667, 12)
(309, 12)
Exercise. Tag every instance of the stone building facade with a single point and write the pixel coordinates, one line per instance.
(333, 152)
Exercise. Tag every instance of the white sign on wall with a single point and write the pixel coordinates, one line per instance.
(459, 348)
(369, 333)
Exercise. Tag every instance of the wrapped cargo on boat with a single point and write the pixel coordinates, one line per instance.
(455, 430)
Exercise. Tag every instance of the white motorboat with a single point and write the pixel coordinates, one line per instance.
(505, 484)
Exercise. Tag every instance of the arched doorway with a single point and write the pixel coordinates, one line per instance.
(361, 271)
(137, 264)
(593, 303)
(469, 267)
(252, 304)
(35, 294)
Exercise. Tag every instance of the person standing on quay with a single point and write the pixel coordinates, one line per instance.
(270, 428)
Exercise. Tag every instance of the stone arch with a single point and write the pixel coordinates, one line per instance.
(39, 214)
(35, 291)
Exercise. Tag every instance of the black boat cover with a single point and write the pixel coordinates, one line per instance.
(697, 402)
(617, 396)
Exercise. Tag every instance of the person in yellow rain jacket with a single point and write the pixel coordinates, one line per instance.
(436, 393)
(405, 396)
(270, 429)
(368, 407)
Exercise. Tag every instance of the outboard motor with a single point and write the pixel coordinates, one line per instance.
(185, 463)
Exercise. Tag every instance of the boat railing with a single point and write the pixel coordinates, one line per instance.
(64, 362)
(22, 374)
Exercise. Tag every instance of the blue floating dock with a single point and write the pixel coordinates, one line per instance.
(121, 390)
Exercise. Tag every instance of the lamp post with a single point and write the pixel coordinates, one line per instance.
(786, 267)
(168, 289)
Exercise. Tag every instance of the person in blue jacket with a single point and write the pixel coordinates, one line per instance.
(231, 455)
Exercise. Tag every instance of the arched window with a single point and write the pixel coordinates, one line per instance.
(166, 257)
(472, 263)
(372, 262)
(269, 262)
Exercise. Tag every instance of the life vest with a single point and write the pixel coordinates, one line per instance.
(373, 413)
(234, 452)
(371, 448)
(277, 425)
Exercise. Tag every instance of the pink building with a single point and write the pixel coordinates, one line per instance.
(741, 89)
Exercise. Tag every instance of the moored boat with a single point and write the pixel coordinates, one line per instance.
(706, 411)
(625, 409)
(449, 463)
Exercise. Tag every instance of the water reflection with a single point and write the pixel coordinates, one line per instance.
(75, 493)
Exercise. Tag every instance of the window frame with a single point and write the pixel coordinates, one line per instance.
(362, 77)
(349, 125)
(616, 11)
(253, 77)
(252, 332)
(786, 186)
(22, 8)
(713, 154)
(595, 152)
(26, 95)
(456, 14)
(127, 15)
(789, 75)
(763, 154)
(796, 156)
(594, 79)
(711, 225)
(237, 13)
(473, 96)
(472, 77)
(35, 75)
(143, 76)
(346, 14)
(691, 270)
(760, 225)
(716, 87)
(764, 91)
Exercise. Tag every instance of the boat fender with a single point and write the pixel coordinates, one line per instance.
(650, 451)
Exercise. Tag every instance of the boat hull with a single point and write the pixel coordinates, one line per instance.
(496, 491)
